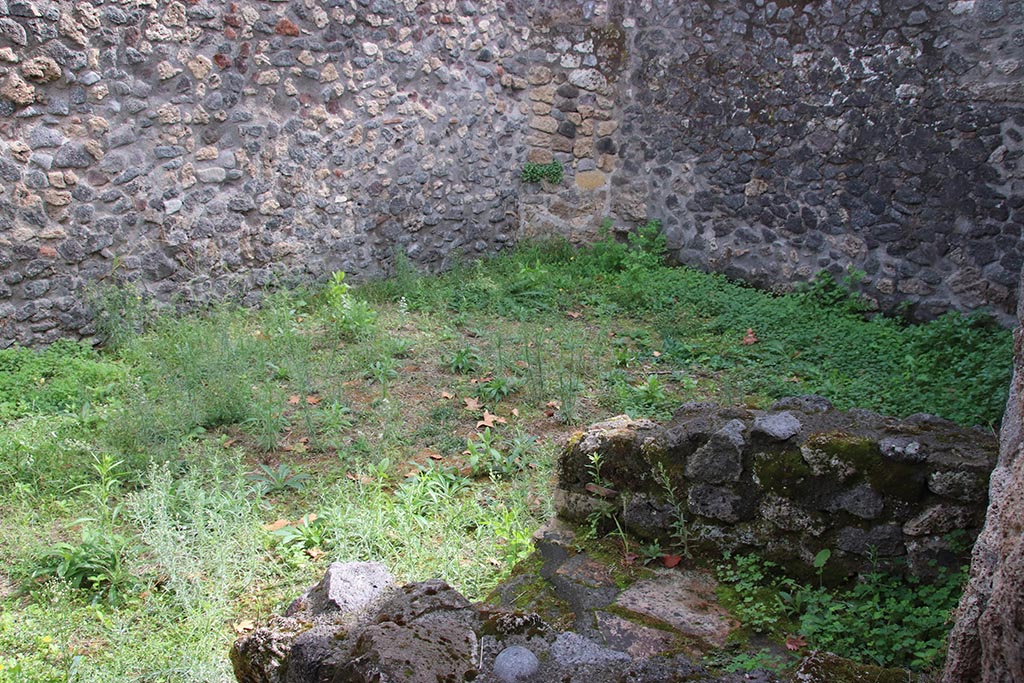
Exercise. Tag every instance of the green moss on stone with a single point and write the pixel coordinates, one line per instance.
(857, 451)
(828, 667)
(889, 478)
(781, 473)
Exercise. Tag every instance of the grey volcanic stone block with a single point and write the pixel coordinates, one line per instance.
(349, 587)
(720, 459)
(778, 426)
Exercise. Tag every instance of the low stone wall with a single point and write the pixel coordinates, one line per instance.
(789, 482)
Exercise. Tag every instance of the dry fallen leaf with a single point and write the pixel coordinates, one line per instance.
(279, 524)
(573, 314)
(749, 338)
(244, 626)
(315, 553)
(472, 404)
(796, 642)
(294, 400)
(359, 478)
(671, 561)
(656, 354)
(447, 394)
(312, 400)
(553, 404)
(490, 420)
(515, 412)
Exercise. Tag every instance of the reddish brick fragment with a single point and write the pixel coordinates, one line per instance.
(286, 27)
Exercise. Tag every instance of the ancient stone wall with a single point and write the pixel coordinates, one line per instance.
(205, 149)
(777, 139)
(786, 484)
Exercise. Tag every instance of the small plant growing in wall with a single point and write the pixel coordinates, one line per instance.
(534, 173)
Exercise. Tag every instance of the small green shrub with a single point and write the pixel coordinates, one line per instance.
(463, 361)
(497, 388)
(280, 479)
(309, 532)
(382, 371)
(487, 454)
(553, 172)
(119, 313)
(752, 587)
(96, 565)
(885, 619)
(202, 367)
(268, 420)
(353, 318)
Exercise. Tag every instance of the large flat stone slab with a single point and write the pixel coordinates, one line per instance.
(685, 600)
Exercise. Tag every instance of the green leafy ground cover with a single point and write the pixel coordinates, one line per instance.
(161, 493)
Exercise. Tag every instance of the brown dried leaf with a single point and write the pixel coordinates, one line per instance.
(244, 626)
(671, 561)
(796, 642)
(490, 420)
(279, 524)
(472, 404)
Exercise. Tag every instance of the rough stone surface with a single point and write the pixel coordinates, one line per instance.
(312, 622)
(824, 667)
(770, 142)
(745, 481)
(427, 632)
(348, 587)
(986, 644)
(684, 600)
(515, 663)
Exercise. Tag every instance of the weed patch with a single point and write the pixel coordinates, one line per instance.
(884, 619)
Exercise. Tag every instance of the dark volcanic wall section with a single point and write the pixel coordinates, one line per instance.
(776, 139)
(204, 149)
